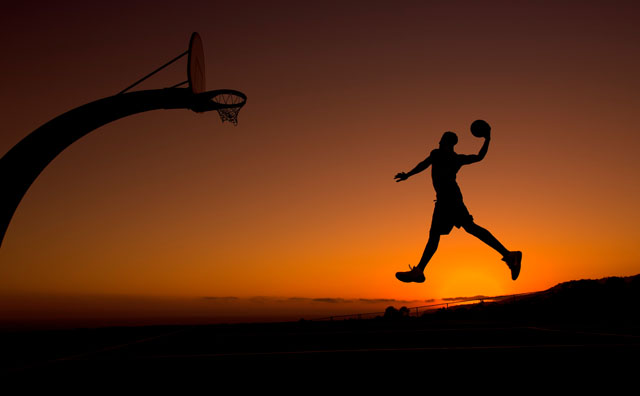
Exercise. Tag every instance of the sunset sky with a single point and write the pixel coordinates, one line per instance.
(298, 202)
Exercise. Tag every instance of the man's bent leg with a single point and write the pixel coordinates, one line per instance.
(417, 273)
(486, 237)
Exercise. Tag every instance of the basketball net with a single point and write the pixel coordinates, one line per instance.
(233, 105)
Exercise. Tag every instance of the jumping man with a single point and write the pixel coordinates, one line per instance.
(450, 209)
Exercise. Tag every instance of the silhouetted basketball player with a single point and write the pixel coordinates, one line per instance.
(449, 209)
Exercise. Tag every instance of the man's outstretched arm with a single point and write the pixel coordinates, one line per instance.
(419, 168)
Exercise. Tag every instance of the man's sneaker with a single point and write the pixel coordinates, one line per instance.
(415, 275)
(513, 260)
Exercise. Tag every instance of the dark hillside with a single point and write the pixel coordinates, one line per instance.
(612, 299)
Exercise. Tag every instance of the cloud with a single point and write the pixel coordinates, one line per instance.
(262, 299)
(386, 301)
(298, 299)
(466, 298)
(322, 300)
(328, 300)
(228, 298)
(337, 300)
(331, 300)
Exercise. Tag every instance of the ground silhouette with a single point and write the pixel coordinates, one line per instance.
(591, 326)
(612, 299)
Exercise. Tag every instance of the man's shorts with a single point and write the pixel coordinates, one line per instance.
(447, 214)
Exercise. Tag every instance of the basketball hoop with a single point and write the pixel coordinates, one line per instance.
(230, 103)
(22, 164)
(227, 102)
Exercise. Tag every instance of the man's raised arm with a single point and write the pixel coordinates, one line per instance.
(470, 159)
(419, 168)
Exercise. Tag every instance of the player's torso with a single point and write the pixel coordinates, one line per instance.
(444, 167)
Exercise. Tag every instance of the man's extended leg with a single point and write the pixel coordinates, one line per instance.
(513, 259)
(417, 273)
(485, 236)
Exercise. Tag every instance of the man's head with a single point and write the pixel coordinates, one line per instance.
(448, 140)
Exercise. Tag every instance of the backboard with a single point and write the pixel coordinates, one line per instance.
(195, 65)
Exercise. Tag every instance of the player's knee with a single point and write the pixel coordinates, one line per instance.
(470, 227)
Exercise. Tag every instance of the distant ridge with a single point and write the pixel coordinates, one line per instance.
(606, 282)
(612, 298)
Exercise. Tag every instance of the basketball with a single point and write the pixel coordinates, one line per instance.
(480, 128)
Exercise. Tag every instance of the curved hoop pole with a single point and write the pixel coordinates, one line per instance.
(21, 165)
